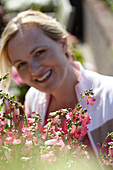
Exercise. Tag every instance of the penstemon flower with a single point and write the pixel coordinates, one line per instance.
(90, 100)
(24, 143)
(106, 151)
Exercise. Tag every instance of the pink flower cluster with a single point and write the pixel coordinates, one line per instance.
(62, 133)
(107, 150)
(74, 123)
(12, 138)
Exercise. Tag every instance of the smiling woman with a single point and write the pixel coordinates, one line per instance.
(36, 45)
(38, 59)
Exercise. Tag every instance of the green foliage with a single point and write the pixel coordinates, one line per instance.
(109, 4)
(78, 55)
(19, 91)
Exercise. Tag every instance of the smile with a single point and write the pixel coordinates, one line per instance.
(45, 76)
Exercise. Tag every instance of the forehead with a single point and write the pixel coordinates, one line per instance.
(28, 34)
(26, 39)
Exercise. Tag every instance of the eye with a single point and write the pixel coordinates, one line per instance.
(38, 53)
(20, 65)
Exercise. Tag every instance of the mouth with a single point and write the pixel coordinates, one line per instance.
(44, 77)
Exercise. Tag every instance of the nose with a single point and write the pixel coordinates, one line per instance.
(34, 67)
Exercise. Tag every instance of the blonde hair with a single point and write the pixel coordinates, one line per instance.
(49, 26)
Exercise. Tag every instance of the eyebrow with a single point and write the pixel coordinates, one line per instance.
(33, 50)
(16, 61)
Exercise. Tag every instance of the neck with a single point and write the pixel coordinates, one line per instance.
(65, 95)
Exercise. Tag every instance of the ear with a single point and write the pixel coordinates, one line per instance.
(63, 43)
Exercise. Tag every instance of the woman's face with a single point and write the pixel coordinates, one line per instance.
(40, 61)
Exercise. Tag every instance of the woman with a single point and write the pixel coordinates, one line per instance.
(37, 46)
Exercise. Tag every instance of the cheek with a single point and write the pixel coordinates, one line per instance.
(53, 58)
(24, 75)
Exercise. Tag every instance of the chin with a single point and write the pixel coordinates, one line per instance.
(49, 89)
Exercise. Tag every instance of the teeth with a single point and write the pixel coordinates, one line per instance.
(44, 76)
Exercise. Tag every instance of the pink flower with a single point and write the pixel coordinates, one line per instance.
(15, 116)
(76, 132)
(65, 127)
(28, 143)
(17, 78)
(55, 141)
(31, 120)
(69, 116)
(79, 131)
(108, 162)
(11, 138)
(48, 156)
(55, 121)
(90, 100)
(39, 128)
(52, 141)
(85, 154)
(84, 129)
(16, 141)
(35, 140)
(74, 128)
(52, 114)
(21, 125)
(45, 131)
(12, 134)
(84, 117)
(110, 151)
(44, 136)
(27, 135)
(7, 108)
